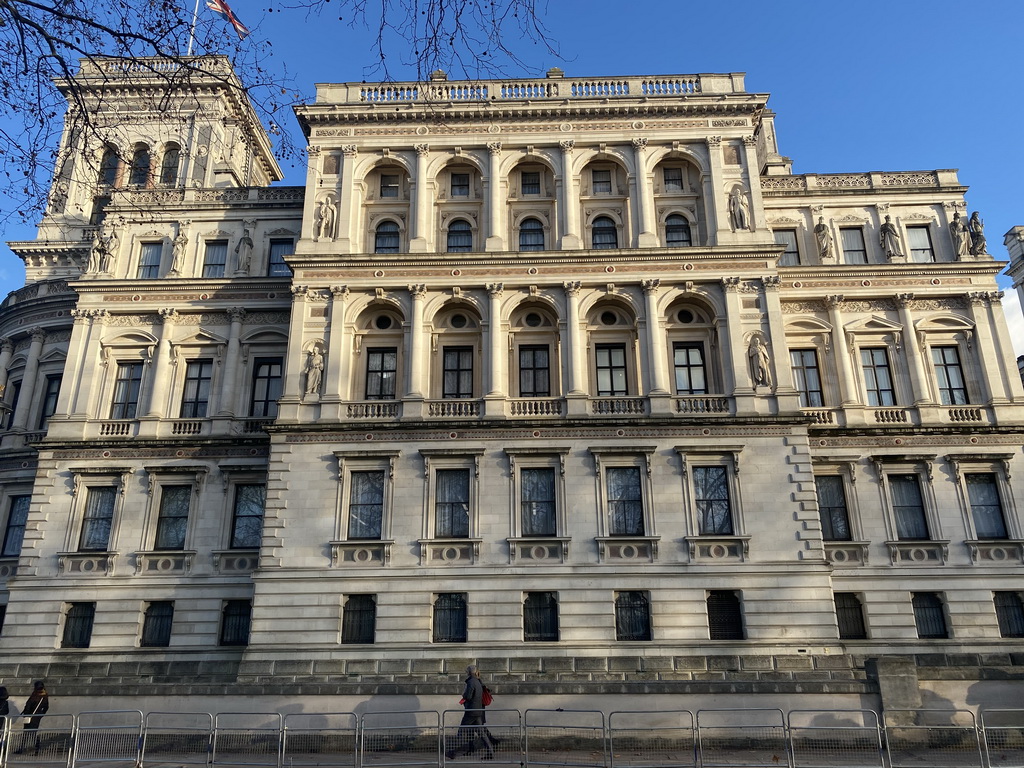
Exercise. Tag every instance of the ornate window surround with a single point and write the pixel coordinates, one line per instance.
(365, 552)
(538, 550)
(625, 549)
(450, 551)
(935, 550)
(720, 549)
(854, 552)
(1008, 551)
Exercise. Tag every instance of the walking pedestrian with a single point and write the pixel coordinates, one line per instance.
(38, 704)
(473, 728)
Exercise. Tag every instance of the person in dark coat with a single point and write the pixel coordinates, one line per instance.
(38, 704)
(473, 729)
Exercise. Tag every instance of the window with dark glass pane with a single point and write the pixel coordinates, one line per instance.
(215, 258)
(725, 615)
(1009, 614)
(359, 620)
(3, 616)
(457, 378)
(852, 241)
(604, 233)
(381, 373)
(78, 625)
(534, 371)
(920, 244)
(140, 166)
(950, 376)
(791, 252)
(929, 615)
(53, 382)
(385, 239)
(877, 377)
(460, 185)
(460, 237)
(451, 504)
(986, 506)
(531, 235)
(235, 621)
(537, 492)
(366, 505)
(632, 616)
(677, 231)
(673, 179)
(530, 182)
(711, 495)
(97, 519)
(156, 624)
(835, 520)
(540, 617)
(691, 375)
(15, 396)
(149, 261)
(247, 517)
(14, 531)
(169, 165)
(126, 391)
(267, 379)
(908, 507)
(807, 378)
(450, 619)
(625, 501)
(196, 394)
(172, 521)
(110, 167)
(602, 181)
(850, 616)
(276, 265)
(389, 184)
(611, 370)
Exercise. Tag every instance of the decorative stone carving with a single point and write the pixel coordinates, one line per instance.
(760, 362)
(314, 370)
(823, 235)
(977, 227)
(243, 249)
(889, 239)
(739, 210)
(326, 213)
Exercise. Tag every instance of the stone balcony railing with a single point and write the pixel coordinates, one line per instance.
(832, 182)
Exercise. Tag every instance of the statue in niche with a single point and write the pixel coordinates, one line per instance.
(103, 248)
(178, 252)
(889, 239)
(243, 249)
(977, 226)
(739, 210)
(760, 363)
(314, 371)
(325, 214)
(961, 236)
(824, 237)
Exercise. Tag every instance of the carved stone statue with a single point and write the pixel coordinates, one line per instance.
(325, 215)
(314, 371)
(961, 236)
(243, 249)
(739, 210)
(824, 237)
(977, 225)
(103, 248)
(178, 252)
(889, 239)
(760, 363)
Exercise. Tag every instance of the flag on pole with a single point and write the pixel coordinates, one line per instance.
(221, 9)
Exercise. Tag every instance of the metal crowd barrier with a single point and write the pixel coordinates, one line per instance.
(184, 738)
(48, 745)
(835, 738)
(110, 737)
(742, 738)
(406, 738)
(503, 731)
(652, 739)
(948, 736)
(328, 740)
(565, 738)
(1002, 733)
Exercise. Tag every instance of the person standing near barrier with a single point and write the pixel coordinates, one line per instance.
(473, 727)
(38, 704)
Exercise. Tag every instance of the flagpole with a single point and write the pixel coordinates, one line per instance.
(192, 28)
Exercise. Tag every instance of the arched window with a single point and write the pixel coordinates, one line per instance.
(386, 238)
(169, 165)
(531, 235)
(677, 231)
(110, 166)
(604, 234)
(140, 166)
(460, 237)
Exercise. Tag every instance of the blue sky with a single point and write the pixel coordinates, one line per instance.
(865, 86)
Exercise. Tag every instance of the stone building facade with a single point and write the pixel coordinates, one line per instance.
(570, 377)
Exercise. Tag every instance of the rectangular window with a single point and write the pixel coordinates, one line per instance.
(908, 507)
(458, 372)
(126, 391)
(50, 396)
(215, 258)
(791, 252)
(460, 185)
(3, 616)
(381, 373)
(235, 622)
(1009, 614)
(611, 370)
(673, 179)
(247, 518)
(949, 375)
(78, 625)
(172, 522)
(920, 244)
(835, 520)
(602, 181)
(537, 496)
(691, 375)
(534, 371)
(156, 625)
(13, 402)
(632, 616)
(359, 620)
(267, 379)
(14, 533)
(97, 520)
(625, 502)
(874, 363)
(854, 250)
(450, 619)
(929, 615)
(276, 265)
(389, 184)
(451, 504)
(196, 395)
(149, 261)
(807, 377)
(986, 507)
(530, 182)
(850, 616)
(540, 617)
(725, 615)
(366, 504)
(711, 497)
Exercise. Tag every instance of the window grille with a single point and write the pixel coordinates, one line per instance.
(450, 619)
(632, 616)
(725, 617)
(78, 625)
(540, 617)
(156, 625)
(929, 616)
(1009, 613)
(850, 616)
(359, 620)
(235, 622)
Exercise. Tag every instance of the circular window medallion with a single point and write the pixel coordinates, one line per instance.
(997, 553)
(456, 272)
(382, 322)
(448, 554)
(718, 551)
(533, 320)
(531, 271)
(136, 297)
(88, 566)
(459, 321)
(379, 273)
(685, 316)
(628, 552)
(688, 267)
(539, 553)
(362, 555)
(839, 556)
(609, 268)
(609, 318)
(165, 564)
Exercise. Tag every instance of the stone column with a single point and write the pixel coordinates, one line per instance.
(569, 200)
(7, 350)
(19, 420)
(420, 241)
(334, 377)
(228, 393)
(496, 369)
(848, 392)
(754, 184)
(160, 371)
(495, 204)
(716, 203)
(993, 376)
(918, 376)
(417, 345)
(574, 345)
(742, 387)
(1014, 385)
(309, 203)
(348, 215)
(648, 236)
(781, 369)
(80, 397)
(657, 361)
